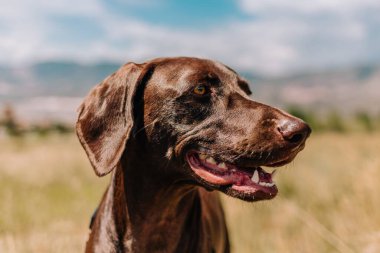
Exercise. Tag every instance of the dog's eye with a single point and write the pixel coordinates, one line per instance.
(201, 89)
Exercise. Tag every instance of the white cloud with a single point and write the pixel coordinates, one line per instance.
(329, 32)
(24, 26)
(283, 35)
(292, 7)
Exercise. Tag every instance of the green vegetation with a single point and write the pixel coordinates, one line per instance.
(334, 121)
(14, 128)
(9, 122)
(366, 121)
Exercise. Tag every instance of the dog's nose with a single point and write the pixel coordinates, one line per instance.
(294, 131)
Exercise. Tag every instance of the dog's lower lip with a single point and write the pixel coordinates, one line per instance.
(252, 183)
(280, 163)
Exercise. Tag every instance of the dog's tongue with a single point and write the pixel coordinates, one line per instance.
(226, 179)
(230, 175)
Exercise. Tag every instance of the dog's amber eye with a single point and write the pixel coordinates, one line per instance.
(200, 89)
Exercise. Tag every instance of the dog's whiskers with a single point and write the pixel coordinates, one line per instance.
(144, 127)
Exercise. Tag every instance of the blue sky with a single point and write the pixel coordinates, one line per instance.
(270, 37)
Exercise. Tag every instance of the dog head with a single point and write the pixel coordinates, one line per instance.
(194, 120)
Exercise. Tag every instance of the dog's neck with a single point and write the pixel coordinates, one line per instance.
(135, 201)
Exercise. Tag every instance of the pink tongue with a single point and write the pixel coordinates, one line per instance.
(226, 177)
(233, 178)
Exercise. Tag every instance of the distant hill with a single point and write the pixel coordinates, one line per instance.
(346, 90)
(53, 79)
(63, 84)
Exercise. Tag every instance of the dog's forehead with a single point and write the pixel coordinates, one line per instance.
(177, 71)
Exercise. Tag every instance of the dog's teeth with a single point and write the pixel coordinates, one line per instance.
(262, 183)
(255, 177)
(222, 166)
(211, 160)
(202, 156)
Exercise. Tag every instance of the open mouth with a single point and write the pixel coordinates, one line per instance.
(250, 184)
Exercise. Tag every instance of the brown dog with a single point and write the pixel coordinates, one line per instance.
(173, 130)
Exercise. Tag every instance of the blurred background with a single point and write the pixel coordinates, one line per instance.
(319, 60)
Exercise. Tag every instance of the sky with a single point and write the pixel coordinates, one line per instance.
(271, 37)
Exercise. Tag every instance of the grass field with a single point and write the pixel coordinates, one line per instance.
(329, 198)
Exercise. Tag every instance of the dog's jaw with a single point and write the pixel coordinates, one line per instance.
(250, 184)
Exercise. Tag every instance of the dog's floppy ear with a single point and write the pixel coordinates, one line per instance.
(243, 84)
(106, 119)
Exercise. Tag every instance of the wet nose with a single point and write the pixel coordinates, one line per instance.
(294, 131)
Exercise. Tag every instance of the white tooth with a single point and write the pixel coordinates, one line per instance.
(222, 166)
(211, 160)
(202, 156)
(271, 184)
(255, 177)
(262, 183)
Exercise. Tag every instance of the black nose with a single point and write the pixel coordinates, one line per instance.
(294, 130)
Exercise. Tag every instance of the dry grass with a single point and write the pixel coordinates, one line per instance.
(328, 199)
(48, 193)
